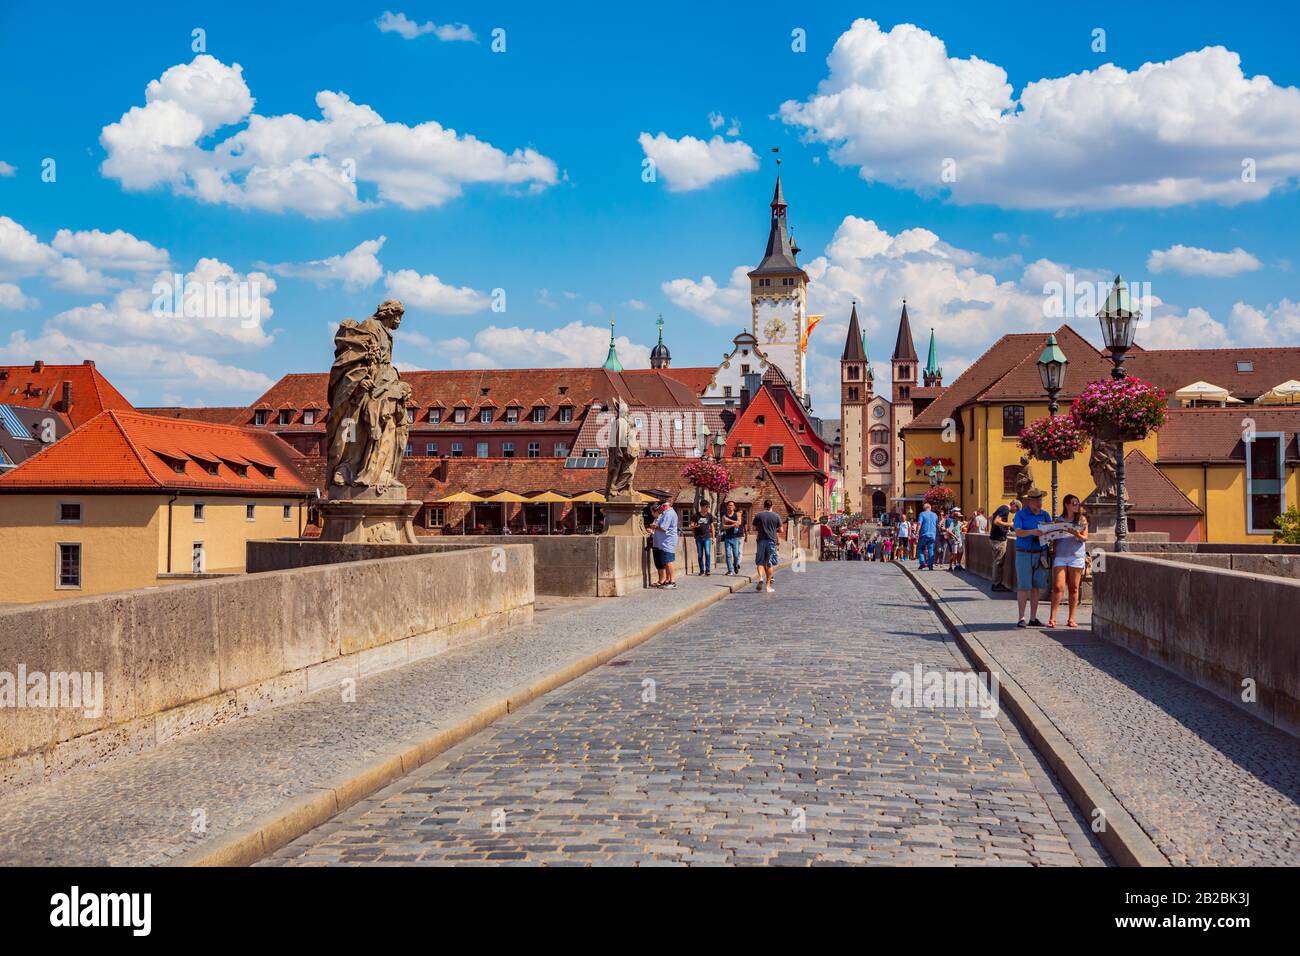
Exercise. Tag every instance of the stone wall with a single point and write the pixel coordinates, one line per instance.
(178, 659)
(576, 565)
(1214, 626)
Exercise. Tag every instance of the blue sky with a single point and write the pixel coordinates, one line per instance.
(540, 190)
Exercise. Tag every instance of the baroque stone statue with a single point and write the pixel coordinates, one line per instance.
(1102, 462)
(624, 451)
(367, 429)
(1024, 478)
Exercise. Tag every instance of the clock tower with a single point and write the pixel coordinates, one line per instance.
(778, 297)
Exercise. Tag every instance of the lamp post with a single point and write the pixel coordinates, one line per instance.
(1051, 370)
(1118, 323)
(936, 475)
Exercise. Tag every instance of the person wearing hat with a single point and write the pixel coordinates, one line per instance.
(1031, 571)
(955, 538)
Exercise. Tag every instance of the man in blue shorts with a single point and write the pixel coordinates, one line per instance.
(927, 529)
(1031, 575)
(767, 525)
(663, 534)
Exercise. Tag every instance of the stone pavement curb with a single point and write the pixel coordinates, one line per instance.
(258, 838)
(1122, 837)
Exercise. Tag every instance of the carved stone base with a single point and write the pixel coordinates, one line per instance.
(623, 518)
(372, 521)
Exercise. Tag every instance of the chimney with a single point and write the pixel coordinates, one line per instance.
(89, 363)
(67, 397)
(38, 367)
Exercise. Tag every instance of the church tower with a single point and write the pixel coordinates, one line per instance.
(855, 393)
(778, 297)
(904, 362)
(660, 357)
(933, 375)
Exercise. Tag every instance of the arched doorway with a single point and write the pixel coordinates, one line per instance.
(877, 504)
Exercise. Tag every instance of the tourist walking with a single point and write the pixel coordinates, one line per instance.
(927, 529)
(732, 531)
(1069, 559)
(1031, 556)
(705, 525)
(767, 528)
(956, 539)
(663, 535)
(903, 537)
(1004, 552)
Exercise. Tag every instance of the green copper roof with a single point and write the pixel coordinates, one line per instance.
(612, 364)
(1119, 299)
(1052, 353)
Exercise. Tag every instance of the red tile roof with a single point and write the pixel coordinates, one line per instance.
(696, 379)
(213, 416)
(497, 388)
(41, 386)
(659, 429)
(1149, 491)
(1021, 382)
(1173, 369)
(774, 429)
(1002, 356)
(1195, 435)
(128, 451)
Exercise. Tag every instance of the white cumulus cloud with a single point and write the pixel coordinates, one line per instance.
(408, 29)
(428, 293)
(357, 268)
(575, 345)
(689, 163)
(291, 163)
(898, 107)
(1191, 261)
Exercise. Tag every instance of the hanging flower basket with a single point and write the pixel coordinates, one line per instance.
(940, 497)
(709, 475)
(1053, 438)
(1127, 409)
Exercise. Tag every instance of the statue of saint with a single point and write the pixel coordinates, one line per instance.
(367, 430)
(1102, 462)
(624, 450)
(1024, 478)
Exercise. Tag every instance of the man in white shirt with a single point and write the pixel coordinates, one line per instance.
(904, 538)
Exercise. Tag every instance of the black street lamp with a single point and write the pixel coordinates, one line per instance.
(1118, 323)
(1051, 370)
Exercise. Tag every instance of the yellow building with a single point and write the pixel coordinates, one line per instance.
(1228, 488)
(130, 501)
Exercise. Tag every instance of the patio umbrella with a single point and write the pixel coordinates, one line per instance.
(593, 498)
(1285, 394)
(460, 498)
(1204, 392)
(548, 498)
(505, 497)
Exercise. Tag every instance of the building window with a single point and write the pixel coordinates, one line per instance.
(507, 449)
(776, 455)
(285, 417)
(561, 450)
(512, 416)
(286, 513)
(309, 417)
(69, 566)
(69, 512)
(435, 416)
(853, 393)
(435, 517)
(1013, 420)
(481, 449)
(485, 416)
(726, 391)
(259, 417)
(853, 372)
(457, 449)
(200, 510)
(1009, 475)
(250, 512)
(410, 416)
(1245, 366)
(760, 420)
(903, 372)
(880, 436)
(539, 415)
(459, 416)
(534, 449)
(566, 413)
(410, 450)
(1265, 491)
(199, 559)
(431, 449)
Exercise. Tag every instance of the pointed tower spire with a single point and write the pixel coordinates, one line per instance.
(933, 374)
(612, 364)
(660, 357)
(904, 346)
(853, 350)
(780, 255)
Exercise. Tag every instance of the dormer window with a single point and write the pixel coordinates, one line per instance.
(259, 417)
(286, 416)
(566, 413)
(435, 416)
(459, 417)
(309, 417)
(1245, 366)
(485, 416)
(539, 415)
(512, 415)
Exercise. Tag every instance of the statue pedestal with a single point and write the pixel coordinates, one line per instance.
(362, 516)
(623, 518)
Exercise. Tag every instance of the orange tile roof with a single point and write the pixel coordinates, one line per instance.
(1216, 435)
(774, 430)
(696, 379)
(41, 386)
(659, 431)
(213, 416)
(1002, 356)
(1149, 491)
(128, 451)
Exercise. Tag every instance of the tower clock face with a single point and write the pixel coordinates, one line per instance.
(879, 457)
(775, 330)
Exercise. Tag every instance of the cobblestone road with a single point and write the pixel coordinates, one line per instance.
(770, 738)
